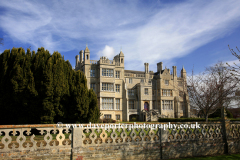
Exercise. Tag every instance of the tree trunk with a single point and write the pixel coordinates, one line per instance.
(206, 117)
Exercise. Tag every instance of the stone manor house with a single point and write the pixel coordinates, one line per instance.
(142, 95)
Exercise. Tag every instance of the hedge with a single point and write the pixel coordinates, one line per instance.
(187, 119)
(192, 119)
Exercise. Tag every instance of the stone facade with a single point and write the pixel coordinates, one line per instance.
(124, 94)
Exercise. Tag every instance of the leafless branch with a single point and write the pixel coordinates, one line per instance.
(211, 89)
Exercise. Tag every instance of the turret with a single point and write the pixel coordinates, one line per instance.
(81, 56)
(86, 55)
(77, 61)
(183, 73)
(121, 58)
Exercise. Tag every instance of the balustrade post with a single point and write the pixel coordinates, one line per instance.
(163, 138)
(77, 140)
(225, 129)
(77, 137)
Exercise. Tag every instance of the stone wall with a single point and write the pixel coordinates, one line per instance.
(54, 142)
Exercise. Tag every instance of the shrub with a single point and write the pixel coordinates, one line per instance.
(234, 119)
(217, 113)
(100, 121)
(134, 119)
(186, 119)
(109, 120)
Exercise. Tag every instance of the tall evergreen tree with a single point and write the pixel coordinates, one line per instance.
(43, 88)
(93, 114)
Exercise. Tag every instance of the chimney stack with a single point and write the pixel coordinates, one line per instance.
(159, 67)
(146, 67)
(174, 70)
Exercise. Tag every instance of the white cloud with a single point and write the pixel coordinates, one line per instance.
(153, 33)
(108, 52)
(175, 31)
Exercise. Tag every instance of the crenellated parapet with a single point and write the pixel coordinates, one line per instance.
(105, 60)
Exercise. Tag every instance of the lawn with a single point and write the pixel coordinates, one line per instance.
(221, 157)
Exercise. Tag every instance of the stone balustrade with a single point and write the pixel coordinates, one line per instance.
(140, 75)
(93, 62)
(116, 141)
(106, 61)
(134, 75)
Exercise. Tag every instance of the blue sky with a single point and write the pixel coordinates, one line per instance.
(190, 33)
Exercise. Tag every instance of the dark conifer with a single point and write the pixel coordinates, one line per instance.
(43, 88)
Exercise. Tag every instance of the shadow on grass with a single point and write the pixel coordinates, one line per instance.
(221, 157)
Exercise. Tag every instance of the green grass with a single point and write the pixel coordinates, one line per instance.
(221, 157)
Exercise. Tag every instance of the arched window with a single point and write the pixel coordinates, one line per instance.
(121, 60)
(87, 57)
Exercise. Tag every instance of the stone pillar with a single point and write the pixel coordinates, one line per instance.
(188, 110)
(176, 107)
(77, 137)
(127, 112)
(146, 115)
(226, 129)
(100, 105)
(163, 138)
(77, 141)
(114, 100)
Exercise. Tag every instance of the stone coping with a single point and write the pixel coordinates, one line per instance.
(92, 124)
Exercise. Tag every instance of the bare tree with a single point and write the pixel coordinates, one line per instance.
(211, 89)
(235, 68)
(236, 55)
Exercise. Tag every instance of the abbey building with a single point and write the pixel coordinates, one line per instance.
(142, 95)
